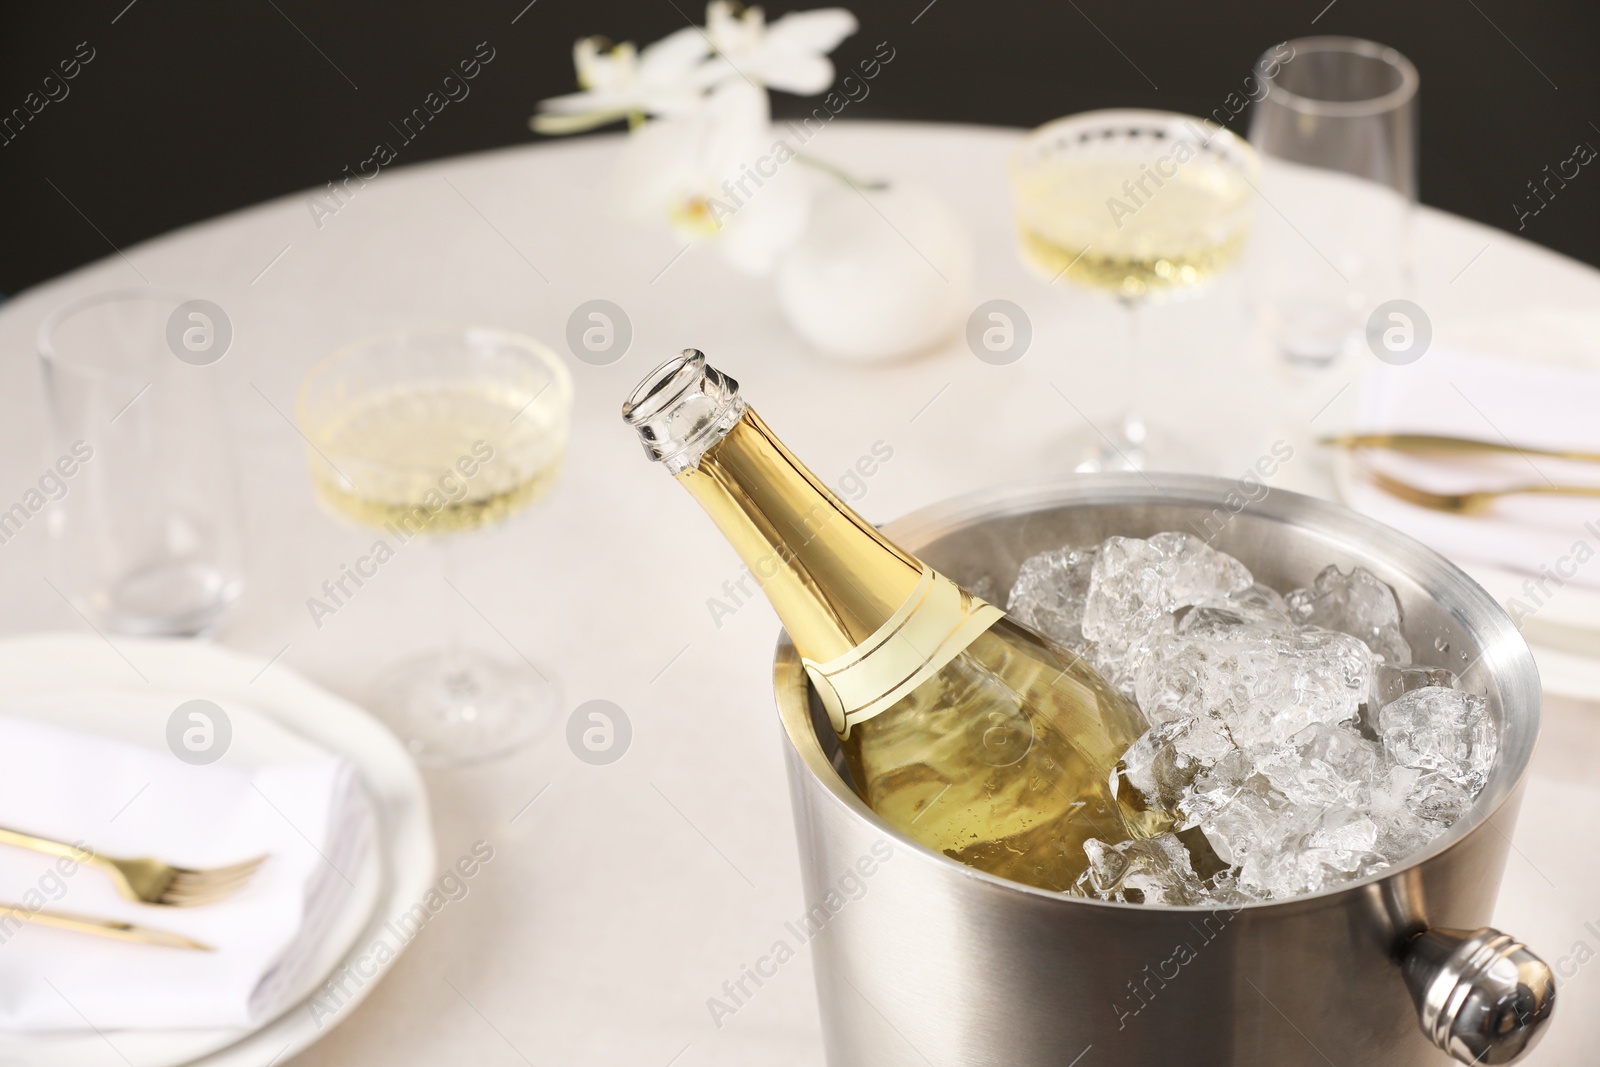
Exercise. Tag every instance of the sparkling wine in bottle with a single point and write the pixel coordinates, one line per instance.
(963, 729)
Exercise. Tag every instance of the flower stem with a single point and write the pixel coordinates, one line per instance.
(843, 175)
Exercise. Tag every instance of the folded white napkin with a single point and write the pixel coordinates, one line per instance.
(310, 818)
(1465, 394)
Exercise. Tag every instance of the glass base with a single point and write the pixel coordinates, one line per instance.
(177, 598)
(1312, 333)
(457, 707)
(1128, 446)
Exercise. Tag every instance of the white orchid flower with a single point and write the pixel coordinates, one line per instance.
(622, 82)
(694, 170)
(790, 55)
(707, 160)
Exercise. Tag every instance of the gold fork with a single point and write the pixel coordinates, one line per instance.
(146, 880)
(1432, 442)
(1472, 501)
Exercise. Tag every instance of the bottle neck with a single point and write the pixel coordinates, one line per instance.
(834, 580)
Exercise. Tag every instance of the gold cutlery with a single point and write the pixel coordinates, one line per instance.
(1472, 501)
(1429, 442)
(148, 881)
(112, 928)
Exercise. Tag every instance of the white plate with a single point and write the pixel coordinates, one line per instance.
(1576, 609)
(1553, 336)
(291, 719)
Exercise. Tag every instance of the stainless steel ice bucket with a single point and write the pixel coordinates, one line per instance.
(923, 962)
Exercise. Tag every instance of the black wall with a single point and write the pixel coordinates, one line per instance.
(190, 108)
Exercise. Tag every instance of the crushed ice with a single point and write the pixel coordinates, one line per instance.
(1292, 732)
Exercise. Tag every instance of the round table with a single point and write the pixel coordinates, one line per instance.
(621, 897)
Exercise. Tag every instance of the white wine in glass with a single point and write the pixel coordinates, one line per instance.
(493, 461)
(431, 433)
(1136, 204)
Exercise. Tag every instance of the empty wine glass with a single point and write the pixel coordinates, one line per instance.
(1345, 106)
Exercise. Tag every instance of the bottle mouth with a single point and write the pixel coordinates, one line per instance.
(682, 408)
(664, 385)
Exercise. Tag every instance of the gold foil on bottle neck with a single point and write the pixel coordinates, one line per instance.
(934, 625)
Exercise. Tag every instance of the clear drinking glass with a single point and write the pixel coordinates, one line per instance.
(1349, 106)
(1141, 205)
(145, 537)
(427, 434)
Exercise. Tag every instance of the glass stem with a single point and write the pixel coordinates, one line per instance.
(449, 568)
(1133, 426)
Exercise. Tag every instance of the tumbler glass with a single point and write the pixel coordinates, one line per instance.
(1344, 105)
(145, 534)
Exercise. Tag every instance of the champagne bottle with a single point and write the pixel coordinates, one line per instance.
(965, 730)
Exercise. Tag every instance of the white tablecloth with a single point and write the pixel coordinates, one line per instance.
(626, 894)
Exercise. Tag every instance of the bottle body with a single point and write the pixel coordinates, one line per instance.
(966, 731)
(1005, 760)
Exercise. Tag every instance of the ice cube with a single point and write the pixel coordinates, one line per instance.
(1251, 820)
(1203, 740)
(1264, 601)
(1050, 591)
(1262, 687)
(1401, 831)
(1156, 769)
(1213, 789)
(1161, 873)
(1196, 570)
(1155, 870)
(1224, 889)
(1357, 604)
(1162, 762)
(1390, 683)
(1344, 839)
(1284, 850)
(1324, 766)
(1444, 730)
(1135, 586)
(1256, 608)
(1437, 798)
(1411, 808)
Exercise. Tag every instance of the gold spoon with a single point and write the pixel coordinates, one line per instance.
(1472, 501)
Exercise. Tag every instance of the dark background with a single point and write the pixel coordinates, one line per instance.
(191, 108)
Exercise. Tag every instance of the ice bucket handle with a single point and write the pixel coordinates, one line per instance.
(1481, 995)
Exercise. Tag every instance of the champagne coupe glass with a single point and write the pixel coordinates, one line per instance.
(1136, 204)
(429, 433)
(1347, 106)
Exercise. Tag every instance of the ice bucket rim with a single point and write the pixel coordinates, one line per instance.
(1504, 650)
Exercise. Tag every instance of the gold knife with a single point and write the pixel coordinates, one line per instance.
(112, 928)
(1429, 442)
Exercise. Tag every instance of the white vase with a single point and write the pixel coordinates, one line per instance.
(878, 275)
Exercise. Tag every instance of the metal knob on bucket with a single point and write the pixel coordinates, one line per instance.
(1481, 995)
(921, 961)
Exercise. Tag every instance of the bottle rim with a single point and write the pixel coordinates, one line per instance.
(682, 408)
(664, 385)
